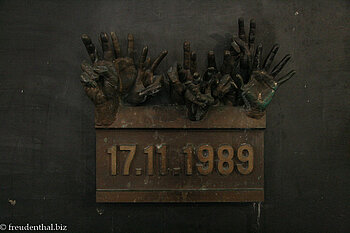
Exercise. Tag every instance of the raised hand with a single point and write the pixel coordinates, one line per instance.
(100, 82)
(262, 85)
(146, 83)
(237, 65)
(187, 86)
(181, 76)
(244, 79)
(242, 48)
(112, 76)
(137, 82)
(225, 84)
(175, 86)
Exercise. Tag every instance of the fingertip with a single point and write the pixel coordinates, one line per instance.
(227, 55)
(211, 69)
(235, 47)
(286, 77)
(130, 36)
(113, 36)
(252, 23)
(85, 38)
(187, 45)
(104, 37)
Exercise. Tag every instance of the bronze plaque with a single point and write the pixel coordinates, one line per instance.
(207, 145)
(155, 154)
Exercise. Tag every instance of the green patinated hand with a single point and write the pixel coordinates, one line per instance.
(263, 83)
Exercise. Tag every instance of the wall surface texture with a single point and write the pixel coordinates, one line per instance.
(47, 136)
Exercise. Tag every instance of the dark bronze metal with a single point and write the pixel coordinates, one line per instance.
(165, 133)
(171, 117)
(187, 86)
(181, 196)
(214, 153)
(242, 80)
(112, 78)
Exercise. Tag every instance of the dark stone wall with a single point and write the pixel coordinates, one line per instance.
(47, 138)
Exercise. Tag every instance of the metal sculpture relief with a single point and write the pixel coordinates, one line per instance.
(206, 146)
(112, 78)
(243, 79)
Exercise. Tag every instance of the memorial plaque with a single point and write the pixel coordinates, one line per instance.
(205, 145)
(155, 154)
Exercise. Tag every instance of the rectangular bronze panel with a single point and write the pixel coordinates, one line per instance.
(154, 164)
(175, 117)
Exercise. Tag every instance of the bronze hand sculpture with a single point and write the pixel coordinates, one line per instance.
(243, 76)
(262, 85)
(259, 84)
(101, 82)
(187, 86)
(242, 80)
(236, 68)
(112, 77)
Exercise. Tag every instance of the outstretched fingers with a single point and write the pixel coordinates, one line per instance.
(131, 46)
(173, 74)
(187, 55)
(286, 77)
(90, 47)
(116, 45)
(227, 65)
(193, 65)
(147, 62)
(106, 47)
(252, 35)
(242, 45)
(280, 65)
(211, 60)
(235, 47)
(241, 31)
(270, 57)
(143, 57)
(257, 58)
(158, 60)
